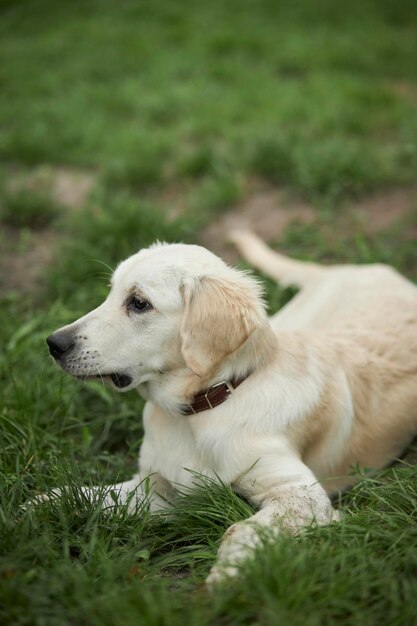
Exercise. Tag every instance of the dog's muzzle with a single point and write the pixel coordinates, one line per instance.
(61, 343)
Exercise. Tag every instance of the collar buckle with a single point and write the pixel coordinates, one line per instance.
(229, 390)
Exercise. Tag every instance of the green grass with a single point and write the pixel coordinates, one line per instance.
(314, 95)
(28, 209)
(191, 101)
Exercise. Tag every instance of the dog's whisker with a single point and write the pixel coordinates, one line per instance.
(111, 270)
(101, 275)
(101, 377)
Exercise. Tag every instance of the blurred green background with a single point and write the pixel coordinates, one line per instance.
(126, 121)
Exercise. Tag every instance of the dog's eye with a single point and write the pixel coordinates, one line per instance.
(139, 305)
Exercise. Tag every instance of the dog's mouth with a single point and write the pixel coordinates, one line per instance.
(121, 381)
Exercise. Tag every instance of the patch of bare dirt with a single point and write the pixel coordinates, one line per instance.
(66, 186)
(383, 210)
(268, 212)
(25, 254)
(72, 188)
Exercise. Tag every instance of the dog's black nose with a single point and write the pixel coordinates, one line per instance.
(60, 343)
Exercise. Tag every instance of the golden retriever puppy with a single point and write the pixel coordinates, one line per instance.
(281, 409)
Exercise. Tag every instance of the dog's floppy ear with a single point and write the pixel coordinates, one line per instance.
(220, 314)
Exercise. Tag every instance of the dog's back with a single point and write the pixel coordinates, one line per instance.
(367, 314)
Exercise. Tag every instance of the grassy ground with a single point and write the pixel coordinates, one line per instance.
(187, 104)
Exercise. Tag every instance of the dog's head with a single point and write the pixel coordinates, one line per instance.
(170, 306)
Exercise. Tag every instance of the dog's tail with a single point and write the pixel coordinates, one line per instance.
(285, 270)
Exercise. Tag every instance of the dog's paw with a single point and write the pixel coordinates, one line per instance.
(220, 574)
(41, 498)
(238, 544)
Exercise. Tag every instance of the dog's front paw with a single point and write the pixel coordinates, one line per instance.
(41, 498)
(238, 544)
(219, 574)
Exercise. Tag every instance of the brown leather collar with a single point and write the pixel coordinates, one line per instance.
(212, 397)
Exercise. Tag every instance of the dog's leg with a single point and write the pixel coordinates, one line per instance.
(149, 490)
(289, 498)
(152, 491)
(147, 487)
(285, 270)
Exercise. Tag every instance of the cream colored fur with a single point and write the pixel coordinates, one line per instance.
(332, 378)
